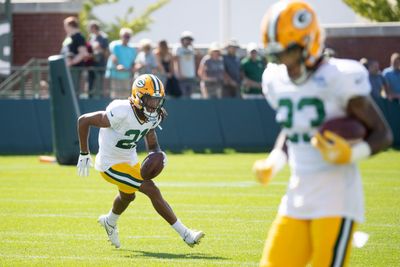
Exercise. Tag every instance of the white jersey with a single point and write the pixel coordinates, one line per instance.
(317, 188)
(117, 144)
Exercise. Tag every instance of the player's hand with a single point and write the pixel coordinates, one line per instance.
(165, 161)
(262, 169)
(266, 169)
(334, 149)
(84, 164)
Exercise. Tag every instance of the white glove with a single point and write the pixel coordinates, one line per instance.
(84, 164)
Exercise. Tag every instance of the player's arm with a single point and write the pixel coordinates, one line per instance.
(152, 144)
(337, 150)
(365, 110)
(82, 54)
(96, 119)
(152, 141)
(266, 169)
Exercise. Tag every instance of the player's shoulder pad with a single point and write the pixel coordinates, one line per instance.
(118, 109)
(348, 69)
(273, 71)
(348, 66)
(336, 70)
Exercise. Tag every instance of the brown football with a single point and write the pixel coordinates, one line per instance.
(346, 127)
(152, 165)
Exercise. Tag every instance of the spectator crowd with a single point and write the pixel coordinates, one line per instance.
(221, 71)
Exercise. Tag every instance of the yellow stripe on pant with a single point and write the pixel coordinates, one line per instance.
(125, 176)
(322, 242)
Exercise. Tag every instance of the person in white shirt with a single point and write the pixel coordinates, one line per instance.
(185, 64)
(324, 198)
(122, 125)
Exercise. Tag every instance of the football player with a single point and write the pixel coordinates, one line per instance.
(324, 199)
(122, 125)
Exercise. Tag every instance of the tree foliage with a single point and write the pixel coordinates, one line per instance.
(128, 20)
(376, 10)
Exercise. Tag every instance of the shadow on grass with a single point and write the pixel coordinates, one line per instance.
(164, 255)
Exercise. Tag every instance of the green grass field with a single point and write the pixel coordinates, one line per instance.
(48, 214)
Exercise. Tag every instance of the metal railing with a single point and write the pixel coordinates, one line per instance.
(25, 81)
(31, 81)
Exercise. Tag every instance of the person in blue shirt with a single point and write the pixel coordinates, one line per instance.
(392, 77)
(120, 65)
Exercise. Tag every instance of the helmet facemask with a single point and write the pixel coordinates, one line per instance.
(296, 55)
(151, 106)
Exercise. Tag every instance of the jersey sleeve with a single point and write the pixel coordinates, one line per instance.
(352, 82)
(267, 88)
(116, 113)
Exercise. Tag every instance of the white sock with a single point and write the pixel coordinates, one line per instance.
(112, 218)
(180, 228)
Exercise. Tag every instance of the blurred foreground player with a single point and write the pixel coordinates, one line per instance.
(324, 199)
(122, 125)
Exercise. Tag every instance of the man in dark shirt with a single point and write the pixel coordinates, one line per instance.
(232, 70)
(75, 50)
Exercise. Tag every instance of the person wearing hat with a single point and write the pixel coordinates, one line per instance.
(252, 67)
(211, 72)
(185, 67)
(232, 70)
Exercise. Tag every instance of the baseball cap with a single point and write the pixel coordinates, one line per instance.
(187, 35)
(232, 43)
(251, 47)
(214, 46)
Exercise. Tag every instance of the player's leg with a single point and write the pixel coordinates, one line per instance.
(128, 182)
(122, 201)
(191, 237)
(331, 238)
(160, 205)
(288, 243)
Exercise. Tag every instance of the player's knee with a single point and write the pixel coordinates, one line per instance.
(149, 189)
(127, 197)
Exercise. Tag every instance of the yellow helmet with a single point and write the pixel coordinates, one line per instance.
(288, 24)
(148, 95)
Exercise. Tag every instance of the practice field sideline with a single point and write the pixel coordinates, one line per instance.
(48, 214)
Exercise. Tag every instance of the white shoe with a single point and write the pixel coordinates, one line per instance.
(193, 237)
(112, 231)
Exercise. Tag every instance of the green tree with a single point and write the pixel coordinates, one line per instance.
(376, 10)
(128, 20)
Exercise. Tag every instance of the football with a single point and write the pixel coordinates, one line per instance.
(152, 165)
(346, 127)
